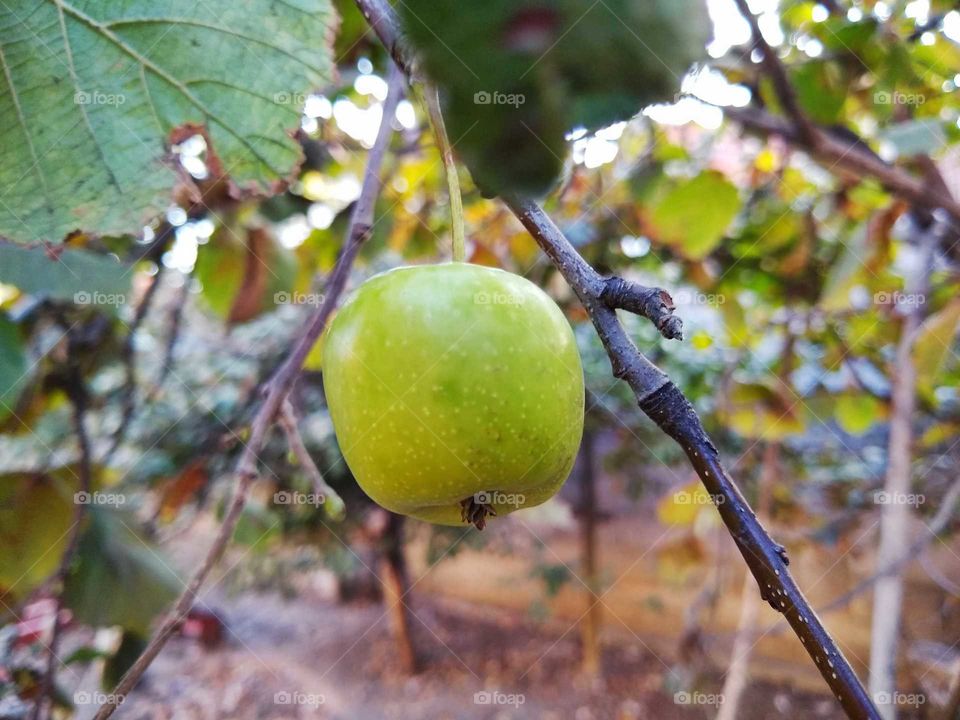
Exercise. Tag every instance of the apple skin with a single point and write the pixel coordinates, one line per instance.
(445, 381)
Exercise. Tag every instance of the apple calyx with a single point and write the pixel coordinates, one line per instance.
(476, 513)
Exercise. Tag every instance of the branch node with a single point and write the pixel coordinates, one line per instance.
(653, 303)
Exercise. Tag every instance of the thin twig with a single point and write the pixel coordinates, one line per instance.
(76, 391)
(128, 393)
(277, 390)
(332, 502)
(778, 75)
(174, 320)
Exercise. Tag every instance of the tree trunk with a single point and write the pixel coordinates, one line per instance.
(590, 625)
(393, 568)
(738, 674)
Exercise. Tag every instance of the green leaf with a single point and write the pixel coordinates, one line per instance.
(933, 348)
(821, 90)
(118, 579)
(694, 215)
(14, 366)
(914, 137)
(75, 275)
(518, 74)
(93, 91)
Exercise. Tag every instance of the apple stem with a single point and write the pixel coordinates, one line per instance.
(476, 513)
(432, 101)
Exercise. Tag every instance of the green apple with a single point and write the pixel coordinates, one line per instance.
(455, 390)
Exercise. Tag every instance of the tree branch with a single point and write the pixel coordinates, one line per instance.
(332, 502)
(778, 75)
(76, 392)
(848, 155)
(663, 402)
(276, 390)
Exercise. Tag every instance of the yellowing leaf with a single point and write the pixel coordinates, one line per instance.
(933, 347)
(701, 340)
(693, 216)
(857, 413)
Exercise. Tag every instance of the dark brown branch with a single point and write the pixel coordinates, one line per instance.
(276, 392)
(845, 154)
(663, 402)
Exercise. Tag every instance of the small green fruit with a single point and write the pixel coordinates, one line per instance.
(453, 383)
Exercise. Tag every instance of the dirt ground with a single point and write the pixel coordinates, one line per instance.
(310, 658)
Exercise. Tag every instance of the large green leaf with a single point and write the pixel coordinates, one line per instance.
(13, 365)
(75, 275)
(91, 92)
(518, 74)
(694, 215)
(118, 579)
